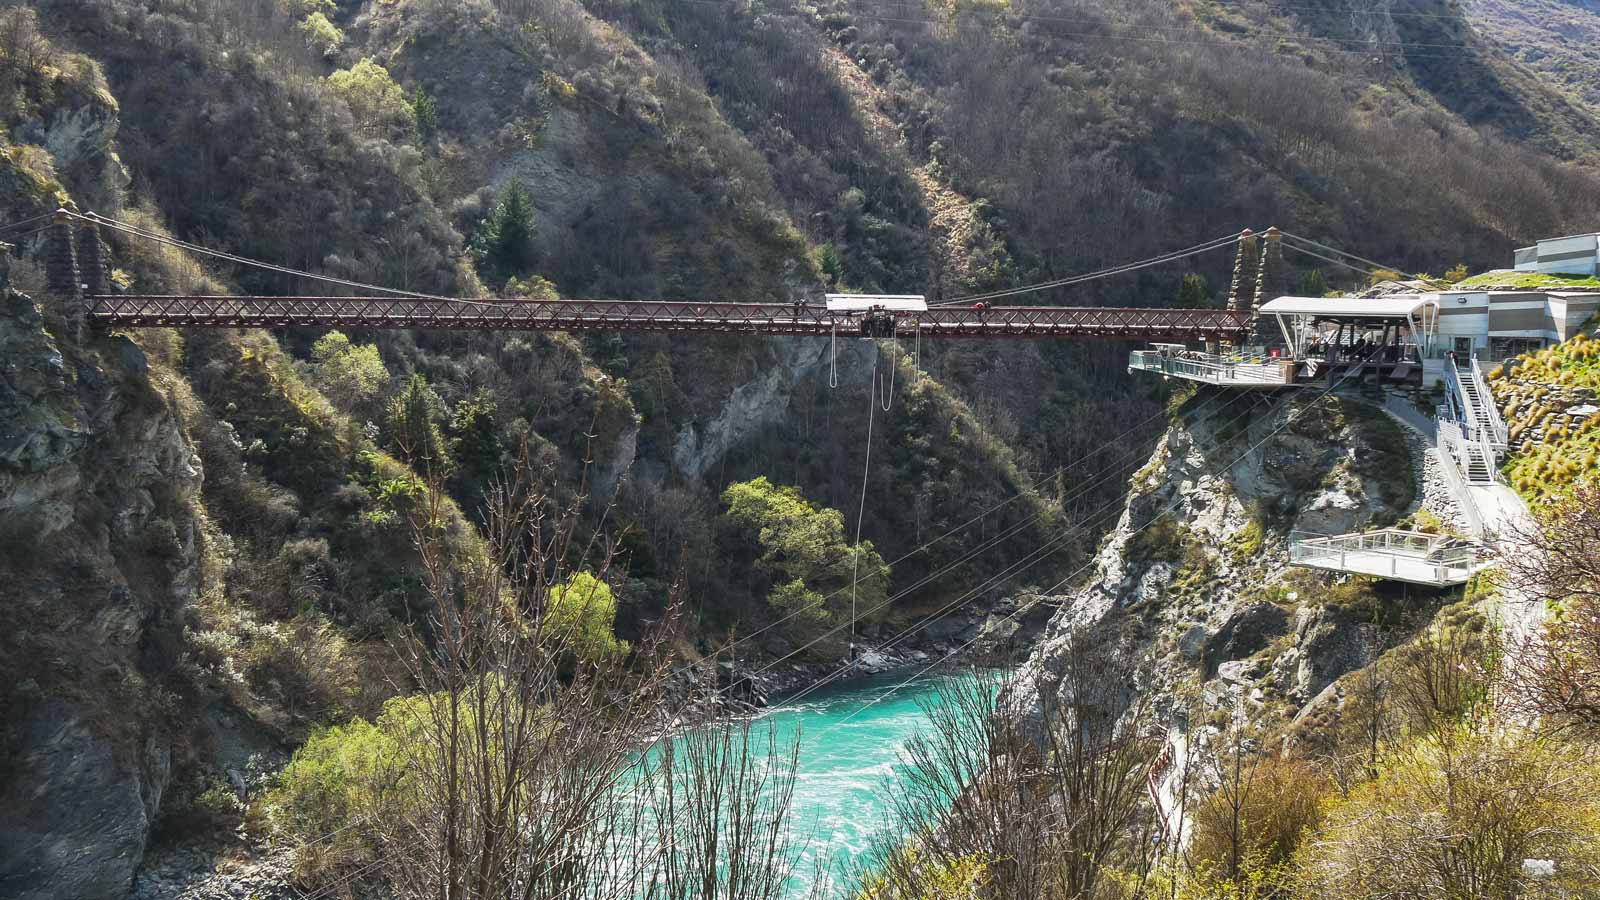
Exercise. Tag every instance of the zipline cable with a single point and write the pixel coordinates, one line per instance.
(1078, 491)
(1099, 516)
(1024, 563)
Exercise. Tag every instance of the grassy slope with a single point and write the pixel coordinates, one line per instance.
(1566, 451)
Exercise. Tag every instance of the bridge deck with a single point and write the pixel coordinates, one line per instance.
(144, 310)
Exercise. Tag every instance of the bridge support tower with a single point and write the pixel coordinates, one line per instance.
(1268, 286)
(63, 279)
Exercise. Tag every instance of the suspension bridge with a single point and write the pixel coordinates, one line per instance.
(77, 265)
(669, 316)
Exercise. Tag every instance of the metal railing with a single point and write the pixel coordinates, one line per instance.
(1457, 484)
(1210, 368)
(1407, 412)
(1390, 553)
(1501, 435)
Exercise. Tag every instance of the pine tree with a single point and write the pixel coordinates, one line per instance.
(412, 428)
(505, 248)
(1194, 293)
(426, 113)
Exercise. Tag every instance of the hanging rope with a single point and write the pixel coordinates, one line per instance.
(916, 356)
(833, 353)
(894, 363)
(861, 511)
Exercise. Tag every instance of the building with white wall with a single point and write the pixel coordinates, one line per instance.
(1577, 254)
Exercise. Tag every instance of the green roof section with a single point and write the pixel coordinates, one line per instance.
(1551, 281)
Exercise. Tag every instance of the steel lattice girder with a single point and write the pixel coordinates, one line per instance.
(668, 316)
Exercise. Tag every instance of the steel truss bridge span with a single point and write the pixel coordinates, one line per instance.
(666, 316)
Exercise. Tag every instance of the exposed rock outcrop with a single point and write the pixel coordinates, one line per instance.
(97, 490)
(1194, 583)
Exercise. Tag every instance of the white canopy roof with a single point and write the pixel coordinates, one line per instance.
(1398, 306)
(864, 302)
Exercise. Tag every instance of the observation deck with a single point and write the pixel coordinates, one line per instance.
(1436, 560)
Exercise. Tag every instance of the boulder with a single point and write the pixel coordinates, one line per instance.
(77, 814)
(1246, 631)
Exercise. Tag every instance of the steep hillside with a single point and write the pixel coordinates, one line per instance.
(206, 535)
(1558, 39)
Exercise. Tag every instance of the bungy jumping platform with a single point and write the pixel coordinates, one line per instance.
(1436, 560)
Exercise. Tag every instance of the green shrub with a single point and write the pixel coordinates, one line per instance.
(374, 98)
(339, 776)
(321, 34)
(582, 614)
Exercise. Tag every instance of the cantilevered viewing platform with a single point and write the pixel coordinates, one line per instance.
(1243, 369)
(1310, 341)
(1413, 556)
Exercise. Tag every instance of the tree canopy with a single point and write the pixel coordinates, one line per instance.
(374, 98)
(351, 375)
(804, 552)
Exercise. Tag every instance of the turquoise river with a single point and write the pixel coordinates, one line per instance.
(851, 736)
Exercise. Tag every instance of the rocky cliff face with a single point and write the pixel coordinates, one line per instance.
(97, 490)
(1194, 585)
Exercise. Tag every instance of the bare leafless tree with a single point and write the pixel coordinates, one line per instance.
(531, 769)
(1041, 807)
(1555, 673)
(722, 816)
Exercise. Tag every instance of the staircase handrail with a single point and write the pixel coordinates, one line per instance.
(1468, 415)
(1448, 452)
(1497, 423)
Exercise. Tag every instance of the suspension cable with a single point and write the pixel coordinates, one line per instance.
(28, 221)
(1346, 253)
(1203, 247)
(135, 231)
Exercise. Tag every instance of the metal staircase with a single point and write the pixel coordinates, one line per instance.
(1478, 464)
(1476, 411)
(1471, 432)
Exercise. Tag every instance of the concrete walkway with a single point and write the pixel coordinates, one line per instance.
(1503, 512)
